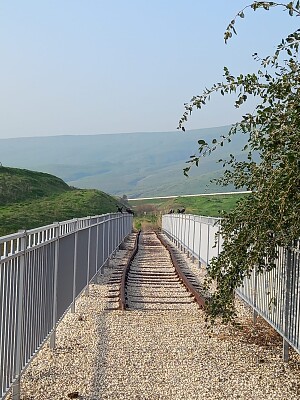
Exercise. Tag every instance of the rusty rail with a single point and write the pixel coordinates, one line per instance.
(122, 298)
(199, 299)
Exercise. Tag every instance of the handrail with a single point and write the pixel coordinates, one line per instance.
(275, 294)
(42, 273)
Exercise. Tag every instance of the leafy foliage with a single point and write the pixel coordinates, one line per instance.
(269, 217)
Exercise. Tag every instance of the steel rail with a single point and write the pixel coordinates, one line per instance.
(198, 298)
(122, 296)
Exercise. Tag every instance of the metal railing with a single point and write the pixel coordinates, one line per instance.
(42, 272)
(275, 294)
(197, 235)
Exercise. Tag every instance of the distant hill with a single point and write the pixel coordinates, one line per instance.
(135, 164)
(31, 199)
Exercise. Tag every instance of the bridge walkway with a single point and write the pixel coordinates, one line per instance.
(158, 354)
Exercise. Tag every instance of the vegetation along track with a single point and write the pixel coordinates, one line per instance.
(153, 279)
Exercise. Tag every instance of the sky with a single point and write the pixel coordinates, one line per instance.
(98, 66)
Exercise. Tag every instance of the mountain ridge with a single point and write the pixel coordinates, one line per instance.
(136, 164)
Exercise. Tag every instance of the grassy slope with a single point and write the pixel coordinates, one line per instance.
(40, 208)
(208, 205)
(200, 205)
(20, 184)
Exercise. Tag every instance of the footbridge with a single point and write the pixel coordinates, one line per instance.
(46, 272)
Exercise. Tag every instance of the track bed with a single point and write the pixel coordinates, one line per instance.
(151, 280)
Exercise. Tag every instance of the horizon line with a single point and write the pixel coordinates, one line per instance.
(111, 133)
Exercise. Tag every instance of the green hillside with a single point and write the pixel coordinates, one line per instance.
(212, 206)
(148, 212)
(20, 184)
(32, 199)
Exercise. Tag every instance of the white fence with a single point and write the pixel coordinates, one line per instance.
(42, 272)
(197, 235)
(275, 295)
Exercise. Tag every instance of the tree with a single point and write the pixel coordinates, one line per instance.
(270, 215)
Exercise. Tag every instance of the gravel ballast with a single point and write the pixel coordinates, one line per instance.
(155, 354)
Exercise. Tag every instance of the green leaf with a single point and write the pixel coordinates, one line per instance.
(269, 217)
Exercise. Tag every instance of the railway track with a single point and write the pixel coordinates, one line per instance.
(153, 279)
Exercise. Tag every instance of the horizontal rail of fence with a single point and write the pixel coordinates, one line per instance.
(275, 294)
(42, 272)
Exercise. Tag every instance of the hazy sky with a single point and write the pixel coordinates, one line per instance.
(107, 66)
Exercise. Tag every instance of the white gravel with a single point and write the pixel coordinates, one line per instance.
(153, 355)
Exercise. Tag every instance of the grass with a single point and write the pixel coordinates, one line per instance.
(60, 207)
(149, 222)
(200, 205)
(31, 199)
(148, 212)
(18, 185)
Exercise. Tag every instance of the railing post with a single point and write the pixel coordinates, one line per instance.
(119, 230)
(285, 350)
(188, 237)
(255, 296)
(175, 229)
(123, 227)
(54, 312)
(115, 234)
(208, 243)
(194, 231)
(74, 266)
(19, 334)
(200, 237)
(112, 235)
(87, 292)
(219, 238)
(103, 239)
(97, 246)
(182, 232)
(108, 238)
(177, 233)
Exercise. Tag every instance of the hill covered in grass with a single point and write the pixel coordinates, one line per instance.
(20, 184)
(31, 199)
(148, 212)
(208, 205)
